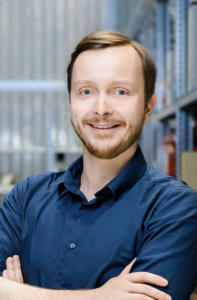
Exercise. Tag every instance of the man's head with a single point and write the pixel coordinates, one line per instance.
(111, 82)
(106, 39)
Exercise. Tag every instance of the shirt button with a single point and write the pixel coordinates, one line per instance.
(72, 245)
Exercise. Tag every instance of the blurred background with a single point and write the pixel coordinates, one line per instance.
(36, 40)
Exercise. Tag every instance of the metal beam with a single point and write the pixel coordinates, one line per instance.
(181, 42)
(32, 85)
(183, 102)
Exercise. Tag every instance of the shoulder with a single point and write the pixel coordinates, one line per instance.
(160, 179)
(170, 190)
(45, 178)
(36, 182)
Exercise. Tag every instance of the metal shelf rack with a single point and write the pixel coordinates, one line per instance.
(163, 30)
(184, 102)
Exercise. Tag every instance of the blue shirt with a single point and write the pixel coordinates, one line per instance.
(66, 242)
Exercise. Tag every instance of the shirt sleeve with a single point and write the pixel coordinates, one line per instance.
(11, 214)
(170, 244)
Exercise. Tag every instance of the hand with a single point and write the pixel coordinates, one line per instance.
(131, 286)
(13, 271)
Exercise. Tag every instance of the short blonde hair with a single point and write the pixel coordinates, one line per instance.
(105, 39)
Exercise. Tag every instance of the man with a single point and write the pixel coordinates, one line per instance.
(83, 227)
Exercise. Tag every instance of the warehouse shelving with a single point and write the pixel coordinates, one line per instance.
(165, 35)
(183, 102)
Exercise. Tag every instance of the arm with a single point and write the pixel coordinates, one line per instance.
(11, 290)
(11, 215)
(170, 243)
(125, 286)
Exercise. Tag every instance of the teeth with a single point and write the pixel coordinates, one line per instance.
(104, 127)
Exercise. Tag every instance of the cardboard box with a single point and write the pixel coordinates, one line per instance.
(194, 296)
(189, 168)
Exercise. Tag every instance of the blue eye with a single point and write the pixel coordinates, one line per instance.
(86, 92)
(121, 92)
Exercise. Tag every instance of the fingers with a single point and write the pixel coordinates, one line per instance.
(146, 277)
(10, 268)
(128, 267)
(18, 272)
(5, 274)
(143, 289)
(13, 271)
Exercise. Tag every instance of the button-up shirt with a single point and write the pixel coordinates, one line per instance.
(66, 242)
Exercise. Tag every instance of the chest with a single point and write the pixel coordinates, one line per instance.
(72, 246)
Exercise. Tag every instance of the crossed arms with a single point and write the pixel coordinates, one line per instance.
(125, 286)
(169, 249)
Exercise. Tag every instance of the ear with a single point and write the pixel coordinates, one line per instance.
(149, 108)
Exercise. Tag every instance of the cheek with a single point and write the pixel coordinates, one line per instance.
(74, 113)
(129, 113)
(135, 110)
(78, 111)
(75, 107)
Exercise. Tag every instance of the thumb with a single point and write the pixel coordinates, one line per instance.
(128, 267)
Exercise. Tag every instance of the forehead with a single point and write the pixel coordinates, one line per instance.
(120, 62)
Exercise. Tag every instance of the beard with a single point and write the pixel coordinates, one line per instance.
(126, 141)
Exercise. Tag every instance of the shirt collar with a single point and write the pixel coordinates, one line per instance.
(125, 180)
(128, 177)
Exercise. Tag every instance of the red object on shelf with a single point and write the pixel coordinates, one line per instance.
(169, 147)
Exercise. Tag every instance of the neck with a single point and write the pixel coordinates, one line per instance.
(98, 172)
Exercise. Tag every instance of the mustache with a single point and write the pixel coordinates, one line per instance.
(105, 119)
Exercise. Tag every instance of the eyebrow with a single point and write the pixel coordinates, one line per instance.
(83, 82)
(116, 82)
(125, 82)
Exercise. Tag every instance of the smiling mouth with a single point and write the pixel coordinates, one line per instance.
(105, 126)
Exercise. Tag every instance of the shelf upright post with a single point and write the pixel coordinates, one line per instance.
(181, 42)
(160, 55)
(170, 77)
(178, 144)
(161, 11)
(181, 138)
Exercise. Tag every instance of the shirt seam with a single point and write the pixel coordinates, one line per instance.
(162, 203)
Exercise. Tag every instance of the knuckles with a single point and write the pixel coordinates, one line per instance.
(145, 289)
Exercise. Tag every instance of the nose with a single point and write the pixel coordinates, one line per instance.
(102, 105)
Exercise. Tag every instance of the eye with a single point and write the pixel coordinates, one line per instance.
(121, 93)
(86, 92)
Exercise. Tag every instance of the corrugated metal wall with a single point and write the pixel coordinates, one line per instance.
(36, 40)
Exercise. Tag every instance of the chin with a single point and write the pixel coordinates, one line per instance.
(107, 152)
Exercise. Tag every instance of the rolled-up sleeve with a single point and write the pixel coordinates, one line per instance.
(11, 215)
(170, 243)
